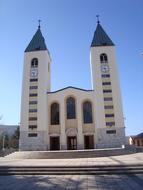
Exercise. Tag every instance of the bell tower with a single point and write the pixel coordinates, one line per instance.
(109, 122)
(36, 83)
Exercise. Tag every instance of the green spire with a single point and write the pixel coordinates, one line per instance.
(37, 43)
(100, 37)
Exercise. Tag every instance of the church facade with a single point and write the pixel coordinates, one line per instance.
(71, 118)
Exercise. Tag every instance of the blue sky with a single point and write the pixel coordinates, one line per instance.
(68, 27)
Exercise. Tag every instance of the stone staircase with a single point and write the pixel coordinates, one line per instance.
(72, 170)
(17, 165)
(71, 153)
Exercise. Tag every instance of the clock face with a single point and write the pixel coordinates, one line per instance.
(34, 73)
(104, 68)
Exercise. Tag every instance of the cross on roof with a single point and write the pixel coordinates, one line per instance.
(97, 16)
(39, 21)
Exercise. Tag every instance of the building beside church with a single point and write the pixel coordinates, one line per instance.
(71, 118)
(136, 140)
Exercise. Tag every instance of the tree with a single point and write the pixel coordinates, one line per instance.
(6, 141)
(1, 141)
(16, 133)
(14, 142)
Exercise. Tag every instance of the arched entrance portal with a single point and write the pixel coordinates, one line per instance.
(71, 139)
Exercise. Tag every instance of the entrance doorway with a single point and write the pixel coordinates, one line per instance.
(72, 143)
(54, 143)
(88, 141)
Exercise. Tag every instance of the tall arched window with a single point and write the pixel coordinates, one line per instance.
(87, 112)
(103, 58)
(55, 114)
(70, 108)
(34, 62)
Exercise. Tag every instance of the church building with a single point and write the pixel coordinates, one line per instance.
(71, 118)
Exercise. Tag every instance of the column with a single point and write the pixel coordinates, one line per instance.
(95, 122)
(80, 142)
(62, 124)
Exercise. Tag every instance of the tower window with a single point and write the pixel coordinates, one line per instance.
(33, 87)
(33, 95)
(107, 91)
(106, 83)
(103, 58)
(108, 107)
(105, 76)
(32, 135)
(108, 99)
(32, 102)
(32, 126)
(32, 118)
(34, 62)
(110, 124)
(33, 80)
(32, 110)
(111, 132)
(109, 115)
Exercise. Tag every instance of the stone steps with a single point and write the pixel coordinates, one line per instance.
(72, 170)
(70, 154)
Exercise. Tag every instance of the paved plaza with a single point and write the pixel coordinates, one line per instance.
(77, 182)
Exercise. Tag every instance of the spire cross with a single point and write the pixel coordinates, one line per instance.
(97, 16)
(39, 21)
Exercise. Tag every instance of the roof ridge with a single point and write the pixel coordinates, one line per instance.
(69, 87)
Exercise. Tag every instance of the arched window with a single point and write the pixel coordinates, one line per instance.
(70, 108)
(34, 62)
(103, 58)
(55, 114)
(87, 112)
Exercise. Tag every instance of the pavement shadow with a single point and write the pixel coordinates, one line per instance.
(71, 182)
(118, 182)
(27, 182)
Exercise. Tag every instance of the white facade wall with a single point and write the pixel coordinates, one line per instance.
(60, 98)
